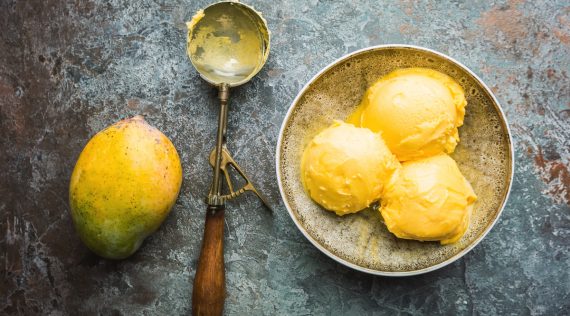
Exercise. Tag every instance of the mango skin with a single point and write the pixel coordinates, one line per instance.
(125, 182)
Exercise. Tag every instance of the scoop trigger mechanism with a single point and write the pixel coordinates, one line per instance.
(227, 160)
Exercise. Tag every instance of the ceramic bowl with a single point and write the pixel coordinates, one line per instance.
(362, 241)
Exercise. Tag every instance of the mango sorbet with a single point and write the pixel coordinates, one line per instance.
(344, 168)
(428, 200)
(417, 110)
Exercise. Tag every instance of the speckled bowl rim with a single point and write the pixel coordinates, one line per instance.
(395, 273)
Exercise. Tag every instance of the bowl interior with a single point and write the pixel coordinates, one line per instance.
(361, 240)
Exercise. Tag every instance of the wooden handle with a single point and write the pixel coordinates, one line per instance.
(209, 290)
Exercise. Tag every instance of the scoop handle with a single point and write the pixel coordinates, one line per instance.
(209, 290)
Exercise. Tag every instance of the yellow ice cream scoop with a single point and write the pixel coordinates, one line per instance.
(417, 110)
(344, 168)
(429, 199)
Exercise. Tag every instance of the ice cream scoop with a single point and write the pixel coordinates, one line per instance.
(428, 200)
(344, 168)
(417, 110)
(228, 43)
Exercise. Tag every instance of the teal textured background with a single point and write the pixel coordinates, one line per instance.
(70, 68)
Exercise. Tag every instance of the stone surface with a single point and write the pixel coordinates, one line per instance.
(70, 68)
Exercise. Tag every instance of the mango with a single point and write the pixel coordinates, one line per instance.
(123, 186)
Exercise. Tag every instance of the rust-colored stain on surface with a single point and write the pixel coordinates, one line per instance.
(556, 175)
(562, 31)
(507, 21)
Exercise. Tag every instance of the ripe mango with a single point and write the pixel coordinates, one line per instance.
(125, 182)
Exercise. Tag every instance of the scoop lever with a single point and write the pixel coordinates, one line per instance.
(226, 161)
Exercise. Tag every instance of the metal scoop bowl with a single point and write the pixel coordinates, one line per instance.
(228, 43)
